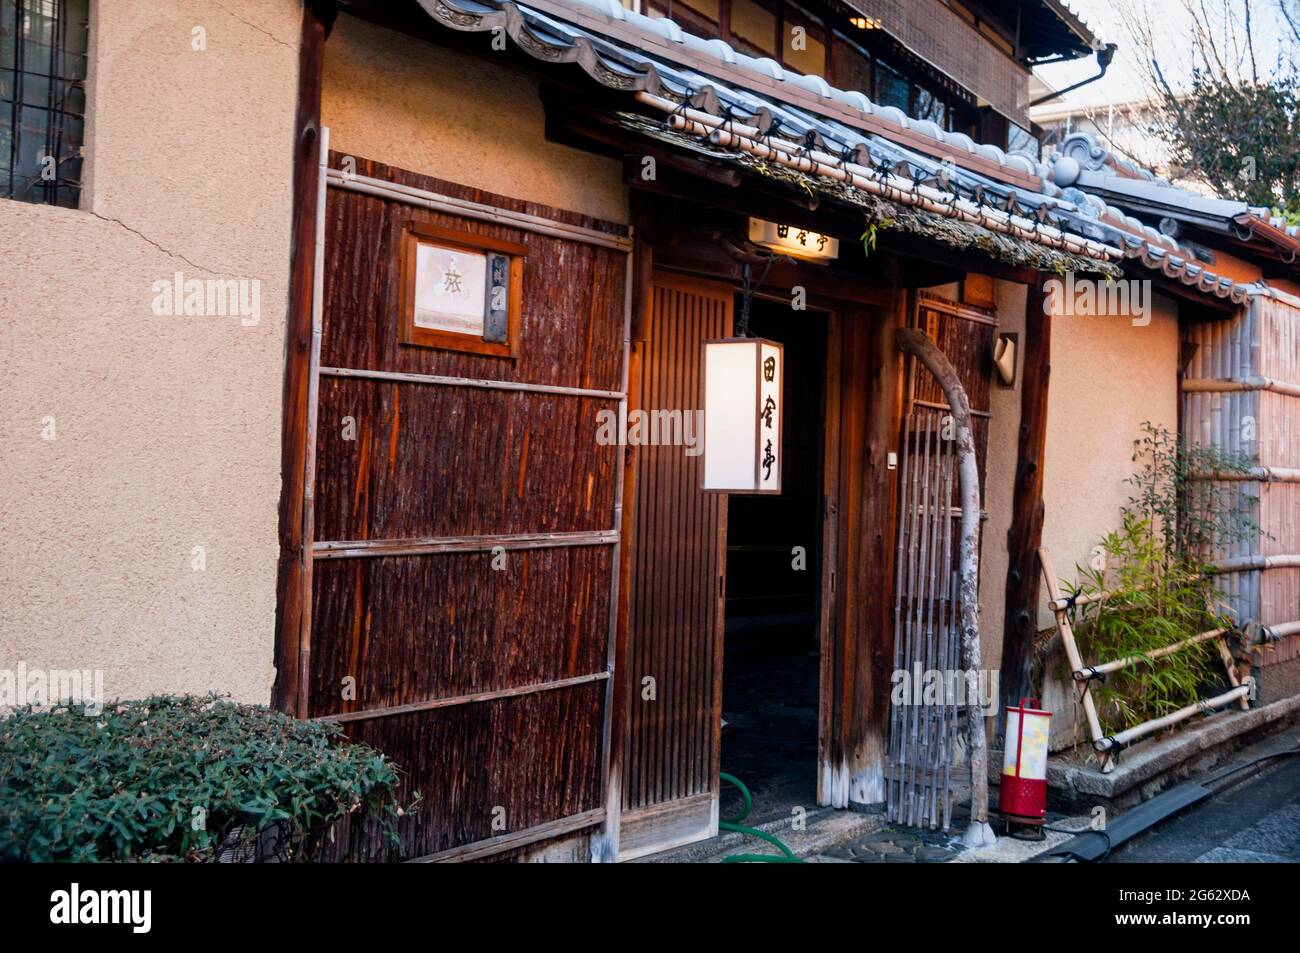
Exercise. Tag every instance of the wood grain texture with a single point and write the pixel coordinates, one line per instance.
(676, 564)
(871, 391)
(408, 629)
(571, 326)
(399, 461)
(1026, 533)
(502, 759)
(317, 18)
(428, 460)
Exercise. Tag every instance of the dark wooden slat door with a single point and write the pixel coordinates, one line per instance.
(677, 555)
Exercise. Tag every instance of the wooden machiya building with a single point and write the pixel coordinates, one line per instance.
(516, 226)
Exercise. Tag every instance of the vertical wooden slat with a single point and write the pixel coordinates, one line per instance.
(828, 752)
(317, 18)
(675, 561)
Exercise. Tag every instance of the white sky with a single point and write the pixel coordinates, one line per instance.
(1170, 24)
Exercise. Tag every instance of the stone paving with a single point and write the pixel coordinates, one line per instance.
(899, 845)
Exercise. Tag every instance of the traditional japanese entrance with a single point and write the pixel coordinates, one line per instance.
(678, 577)
(775, 562)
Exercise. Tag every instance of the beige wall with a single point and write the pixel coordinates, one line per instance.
(433, 110)
(1108, 376)
(167, 429)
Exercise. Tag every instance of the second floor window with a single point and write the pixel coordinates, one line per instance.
(778, 29)
(812, 43)
(42, 99)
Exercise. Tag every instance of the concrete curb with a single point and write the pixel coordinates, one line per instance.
(1149, 767)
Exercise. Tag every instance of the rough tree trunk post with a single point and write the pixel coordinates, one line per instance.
(1025, 536)
(916, 343)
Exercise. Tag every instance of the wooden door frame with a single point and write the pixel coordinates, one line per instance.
(848, 683)
(830, 660)
(865, 382)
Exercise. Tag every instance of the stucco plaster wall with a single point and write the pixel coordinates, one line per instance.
(166, 429)
(1108, 377)
(431, 109)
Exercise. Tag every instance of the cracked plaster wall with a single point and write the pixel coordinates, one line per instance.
(167, 429)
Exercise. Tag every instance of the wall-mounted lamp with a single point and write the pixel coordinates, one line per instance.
(743, 417)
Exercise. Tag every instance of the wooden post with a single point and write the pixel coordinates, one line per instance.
(872, 408)
(317, 19)
(1020, 623)
(605, 847)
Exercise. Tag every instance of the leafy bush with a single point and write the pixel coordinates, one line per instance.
(1155, 574)
(1150, 603)
(174, 778)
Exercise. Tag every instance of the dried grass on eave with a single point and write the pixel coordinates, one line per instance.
(882, 213)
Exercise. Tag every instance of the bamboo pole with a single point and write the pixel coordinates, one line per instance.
(942, 634)
(1256, 561)
(1230, 664)
(895, 714)
(1084, 674)
(1228, 385)
(1067, 640)
(1173, 718)
(1262, 474)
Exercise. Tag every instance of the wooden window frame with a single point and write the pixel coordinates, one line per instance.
(413, 233)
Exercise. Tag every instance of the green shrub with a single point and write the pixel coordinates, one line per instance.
(1156, 568)
(176, 778)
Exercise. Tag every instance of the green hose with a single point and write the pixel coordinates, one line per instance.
(733, 824)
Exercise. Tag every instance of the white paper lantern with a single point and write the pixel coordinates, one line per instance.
(743, 415)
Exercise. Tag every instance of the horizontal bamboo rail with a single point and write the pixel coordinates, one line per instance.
(1282, 630)
(1262, 474)
(1106, 667)
(356, 548)
(454, 701)
(403, 377)
(410, 195)
(1111, 742)
(1250, 563)
(1256, 561)
(1224, 385)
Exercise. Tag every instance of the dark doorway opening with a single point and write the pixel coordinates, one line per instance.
(771, 642)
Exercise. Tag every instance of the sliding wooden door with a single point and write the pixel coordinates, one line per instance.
(674, 657)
